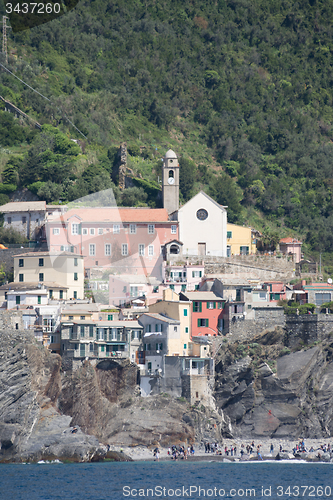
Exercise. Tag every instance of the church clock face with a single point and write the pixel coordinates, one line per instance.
(202, 214)
(171, 180)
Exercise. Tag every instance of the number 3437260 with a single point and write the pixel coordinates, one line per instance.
(33, 8)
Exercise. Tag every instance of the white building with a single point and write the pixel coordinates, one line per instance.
(202, 227)
(26, 217)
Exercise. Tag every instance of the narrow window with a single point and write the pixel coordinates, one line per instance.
(141, 250)
(92, 231)
(75, 295)
(107, 249)
(21, 262)
(124, 249)
(151, 228)
(92, 249)
(61, 294)
(75, 277)
(116, 229)
(41, 262)
(41, 277)
(21, 277)
(173, 229)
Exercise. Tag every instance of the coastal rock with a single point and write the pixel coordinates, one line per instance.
(293, 400)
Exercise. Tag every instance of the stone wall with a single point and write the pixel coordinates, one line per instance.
(307, 329)
(266, 318)
(264, 267)
(11, 320)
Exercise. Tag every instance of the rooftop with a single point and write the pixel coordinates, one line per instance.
(170, 154)
(49, 254)
(23, 206)
(290, 240)
(198, 295)
(32, 286)
(114, 214)
(162, 317)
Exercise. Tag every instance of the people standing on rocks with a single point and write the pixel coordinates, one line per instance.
(157, 454)
(272, 448)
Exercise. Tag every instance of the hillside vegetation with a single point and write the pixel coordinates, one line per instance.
(240, 89)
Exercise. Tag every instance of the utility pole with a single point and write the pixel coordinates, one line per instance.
(4, 37)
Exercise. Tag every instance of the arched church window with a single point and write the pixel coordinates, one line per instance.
(171, 174)
(174, 249)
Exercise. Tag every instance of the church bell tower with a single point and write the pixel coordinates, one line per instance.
(170, 181)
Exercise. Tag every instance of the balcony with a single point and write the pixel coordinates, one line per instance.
(169, 280)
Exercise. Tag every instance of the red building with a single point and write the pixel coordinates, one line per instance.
(207, 312)
(276, 289)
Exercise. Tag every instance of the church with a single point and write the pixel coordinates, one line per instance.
(202, 222)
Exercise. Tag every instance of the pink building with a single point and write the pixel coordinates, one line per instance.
(291, 246)
(129, 240)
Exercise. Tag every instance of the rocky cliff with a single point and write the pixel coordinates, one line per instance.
(263, 388)
(268, 390)
(46, 413)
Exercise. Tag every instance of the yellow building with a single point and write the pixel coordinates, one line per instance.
(240, 240)
(180, 310)
(62, 273)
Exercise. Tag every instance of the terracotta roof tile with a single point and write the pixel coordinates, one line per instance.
(110, 214)
(289, 240)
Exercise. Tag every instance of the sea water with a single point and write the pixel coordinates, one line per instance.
(166, 480)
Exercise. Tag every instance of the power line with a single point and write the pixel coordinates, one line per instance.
(34, 90)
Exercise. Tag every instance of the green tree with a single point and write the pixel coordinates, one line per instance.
(131, 197)
(187, 176)
(226, 192)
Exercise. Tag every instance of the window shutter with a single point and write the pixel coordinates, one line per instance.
(214, 305)
(200, 306)
(200, 274)
(79, 228)
(206, 322)
(199, 324)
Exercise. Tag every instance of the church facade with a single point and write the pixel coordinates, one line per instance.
(203, 227)
(202, 221)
